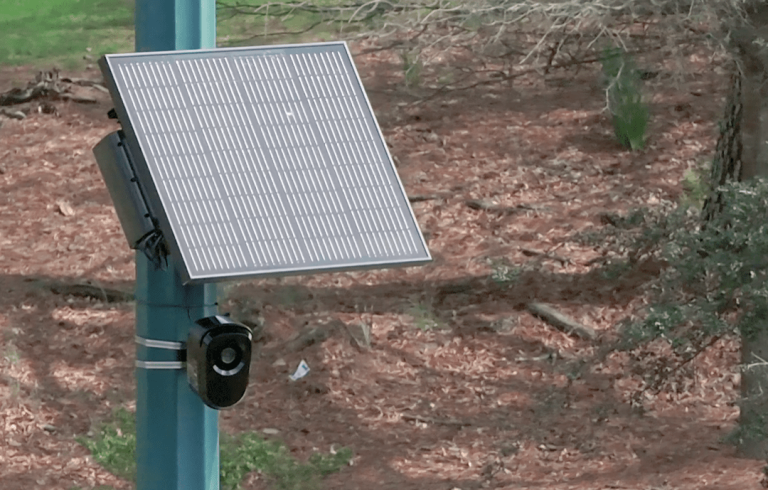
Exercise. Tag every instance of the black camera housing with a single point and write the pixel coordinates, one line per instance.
(219, 360)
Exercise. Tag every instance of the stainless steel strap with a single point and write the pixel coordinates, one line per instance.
(161, 364)
(160, 344)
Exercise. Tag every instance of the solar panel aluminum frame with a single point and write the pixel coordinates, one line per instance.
(169, 225)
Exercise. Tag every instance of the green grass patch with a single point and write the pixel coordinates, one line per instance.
(63, 32)
(424, 317)
(11, 354)
(249, 452)
(73, 33)
(113, 446)
(250, 22)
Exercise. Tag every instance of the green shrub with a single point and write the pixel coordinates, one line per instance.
(696, 186)
(412, 67)
(717, 275)
(424, 317)
(625, 102)
(504, 273)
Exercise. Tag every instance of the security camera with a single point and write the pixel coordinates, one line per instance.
(219, 360)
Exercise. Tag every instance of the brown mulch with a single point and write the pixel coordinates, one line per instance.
(461, 386)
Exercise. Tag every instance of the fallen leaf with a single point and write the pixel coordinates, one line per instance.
(65, 208)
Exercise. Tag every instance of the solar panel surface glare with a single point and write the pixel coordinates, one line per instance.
(263, 161)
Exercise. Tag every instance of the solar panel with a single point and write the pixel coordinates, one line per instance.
(263, 160)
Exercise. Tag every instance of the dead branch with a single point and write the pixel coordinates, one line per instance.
(490, 206)
(534, 35)
(314, 335)
(534, 253)
(49, 85)
(84, 82)
(680, 365)
(108, 295)
(422, 198)
(308, 337)
(80, 99)
(561, 322)
(12, 114)
(484, 205)
(435, 421)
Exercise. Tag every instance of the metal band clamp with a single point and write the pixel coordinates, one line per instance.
(179, 347)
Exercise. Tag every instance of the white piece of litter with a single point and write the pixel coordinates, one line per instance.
(301, 371)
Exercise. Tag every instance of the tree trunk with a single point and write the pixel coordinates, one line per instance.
(753, 417)
(742, 153)
(727, 164)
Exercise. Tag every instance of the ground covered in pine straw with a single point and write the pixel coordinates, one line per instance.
(461, 387)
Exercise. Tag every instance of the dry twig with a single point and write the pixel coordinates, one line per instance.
(508, 37)
(533, 253)
(561, 322)
(436, 421)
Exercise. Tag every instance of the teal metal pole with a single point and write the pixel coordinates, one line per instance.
(177, 435)
(168, 25)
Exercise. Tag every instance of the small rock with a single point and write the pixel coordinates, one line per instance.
(279, 363)
(270, 432)
(49, 428)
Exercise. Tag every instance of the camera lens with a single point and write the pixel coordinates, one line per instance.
(228, 359)
(228, 355)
